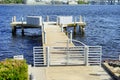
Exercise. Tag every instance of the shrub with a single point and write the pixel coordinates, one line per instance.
(11, 69)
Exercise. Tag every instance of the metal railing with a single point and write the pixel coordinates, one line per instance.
(38, 56)
(67, 55)
(79, 55)
(94, 55)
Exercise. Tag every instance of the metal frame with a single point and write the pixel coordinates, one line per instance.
(79, 55)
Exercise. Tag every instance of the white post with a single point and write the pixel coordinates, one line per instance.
(86, 55)
(61, 28)
(47, 19)
(67, 44)
(43, 28)
(45, 40)
(34, 56)
(48, 56)
(71, 36)
(100, 56)
(22, 19)
(67, 52)
(57, 21)
(42, 20)
(80, 18)
(74, 20)
(14, 19)
(42, 25)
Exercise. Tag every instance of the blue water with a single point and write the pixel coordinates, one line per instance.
(103, 28)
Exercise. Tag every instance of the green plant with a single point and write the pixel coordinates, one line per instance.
(11, 69)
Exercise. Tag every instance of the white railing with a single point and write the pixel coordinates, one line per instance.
(67, 55)
(38, 57)
(79, 55)
(94, 55)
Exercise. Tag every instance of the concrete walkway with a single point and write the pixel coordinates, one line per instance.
(39, 73)
(69, 73)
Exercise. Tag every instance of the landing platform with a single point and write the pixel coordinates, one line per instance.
(70, 73)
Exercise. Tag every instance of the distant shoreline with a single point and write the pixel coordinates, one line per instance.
(47, 4)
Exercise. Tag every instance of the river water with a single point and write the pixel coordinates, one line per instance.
(103, 28)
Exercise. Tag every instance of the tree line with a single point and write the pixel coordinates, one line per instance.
(11, 1)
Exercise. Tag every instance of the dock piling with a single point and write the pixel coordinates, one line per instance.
(22, 31)
(75, 30)
(13, 30)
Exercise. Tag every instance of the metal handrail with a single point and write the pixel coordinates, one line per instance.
(79, 42)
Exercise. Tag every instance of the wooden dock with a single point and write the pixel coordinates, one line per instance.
(23, 25)
(54, 36)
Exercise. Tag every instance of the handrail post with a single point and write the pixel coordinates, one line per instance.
(100, 56)
(48, 56)
(43, 25)
(61, 28)
(14, 19)
(33, 56)
(57, 21)
(86, 55)
(80, 18)
(43, 28)
(71, 36)
(45, 40)
(67, 52)
(47, 19)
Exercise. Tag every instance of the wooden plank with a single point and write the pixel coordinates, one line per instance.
(55, 37)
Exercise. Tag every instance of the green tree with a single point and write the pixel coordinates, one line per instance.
(82, 2)
(11, 1)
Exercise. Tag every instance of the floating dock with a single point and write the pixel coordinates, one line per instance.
(59, 58)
